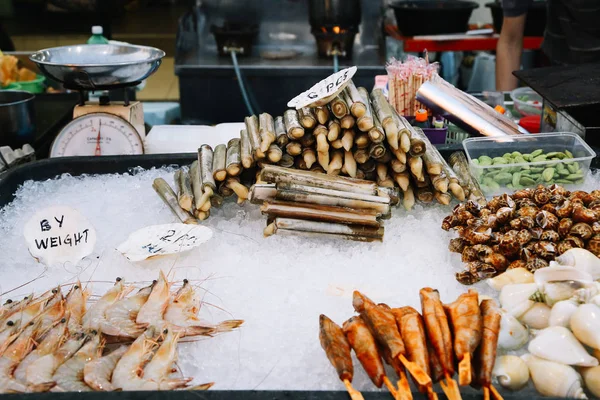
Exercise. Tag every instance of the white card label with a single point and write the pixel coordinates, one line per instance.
(158, 240)
(324, 91)
(59, 235)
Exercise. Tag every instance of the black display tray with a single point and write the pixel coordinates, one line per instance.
(51, 168)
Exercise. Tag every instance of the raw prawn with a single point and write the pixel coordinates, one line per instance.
(42, 369)
(159, 368)
(75, 305)
(69, 376)
(51, 342)
(152, 311)
(181, 314)
(94, 316)
(121, 315)
(11, 358)
(97, 373)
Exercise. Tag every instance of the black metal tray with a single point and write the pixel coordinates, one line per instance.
(51, 168)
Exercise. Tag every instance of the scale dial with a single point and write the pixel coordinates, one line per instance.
(97, 134)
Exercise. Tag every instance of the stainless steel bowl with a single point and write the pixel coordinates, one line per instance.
(98, 66)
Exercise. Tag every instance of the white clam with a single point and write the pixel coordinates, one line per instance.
(561, 283)
(514, 298)
(585, 324)
(581, 259)
(513, 335)
(561, 312)
(554, 379)
(536, 317)
(557, 343)
(510, 276)
(511, 372)
(591, 378)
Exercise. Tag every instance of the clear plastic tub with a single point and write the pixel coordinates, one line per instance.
(504, 164)
(527, 101)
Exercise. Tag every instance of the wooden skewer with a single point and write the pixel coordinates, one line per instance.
(495, 394)
(450, 388)
(464, 370)
(486, 393)
(404, 392)
(390, 386)
(415, 370)
(354, 394)
(431, 394)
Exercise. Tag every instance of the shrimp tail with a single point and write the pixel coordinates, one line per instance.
(41, 387)
(171, 384)
(229, 325)
(204, 386)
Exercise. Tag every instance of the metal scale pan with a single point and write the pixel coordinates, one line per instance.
(98, 66)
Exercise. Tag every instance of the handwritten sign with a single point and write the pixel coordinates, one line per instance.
(158, 240)
(59, 235)
(324, 91)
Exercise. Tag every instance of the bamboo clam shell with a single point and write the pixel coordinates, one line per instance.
(308, 141)
(400, 155)
(425, 192)
(362, 141)
(308, 119)
(377, 150)
(322, 114)
(309, 194)
(280, 133)
(274, 154)
(168, 196)
(218, 163)
(358, 108)
(317, 212)
(350, 164)
(196, 185)
(347, 122)
(397, 166)
(419, 142)
(293, 128)
(409, 199)
(320, 133)
(202, 215)
(338, 107)
(353, 232)
(185, 195)
(384, 113)
(402, 179)
(454, 183)
(369, 166)
(261, 192)
(246, 149)
(366, 121)
(416, 167)
(392, 193)
(253, 132)
(240, 190)
(299, 163)
(233, 164)
(205, 161)
(443, 198)
(286, 161)
(459, 164)
(293, 148)
(406, 139)
(361, 155)
(216, 200)
(309, 156)
(336, 163)
(275, 174)
(377, 133)
(348, 139)
(337, 144)
(382, 171)
(224, 190)
(266, 130)
(334, 130)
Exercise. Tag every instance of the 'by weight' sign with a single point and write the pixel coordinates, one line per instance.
(58, 235)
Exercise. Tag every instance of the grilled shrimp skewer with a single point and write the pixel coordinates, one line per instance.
(465, 317)
(440, 337)
(365, 347)
(485, 357)
(337, 349)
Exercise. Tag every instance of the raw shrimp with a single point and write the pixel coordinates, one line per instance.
(181, 314)
(42, 369)
(51, 342)
(75, 305)
(94, 316)
(121, 316)
(69, 376)
(97, 373)
(126, 373)
(159, 368)
(152, 311)
(11, 307)
(11, 358)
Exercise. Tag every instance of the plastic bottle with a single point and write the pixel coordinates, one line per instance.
(97, 37)
(437, 122)
(421, 119)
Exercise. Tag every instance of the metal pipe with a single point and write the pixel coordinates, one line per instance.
(238, 73)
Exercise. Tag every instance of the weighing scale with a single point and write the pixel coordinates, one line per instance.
(104, 128)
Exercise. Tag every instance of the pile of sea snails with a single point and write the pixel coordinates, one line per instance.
(553, 314)
(527, 229)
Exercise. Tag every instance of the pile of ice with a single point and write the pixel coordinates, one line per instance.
(279, 285)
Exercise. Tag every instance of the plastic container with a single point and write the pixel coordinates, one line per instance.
(538, 172)
(526, 101)
(12, 86)
(38, 85)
